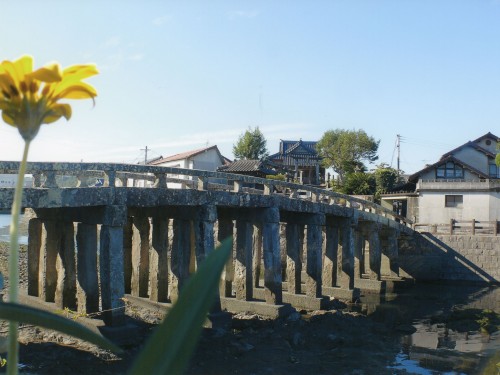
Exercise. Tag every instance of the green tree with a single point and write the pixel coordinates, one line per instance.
(359, 183)
(386, 178)
(345, 151)
(251, 145)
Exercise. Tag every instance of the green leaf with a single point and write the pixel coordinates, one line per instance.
(25, 314)
(170, 347)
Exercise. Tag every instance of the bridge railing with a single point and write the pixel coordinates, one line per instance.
(62, 174)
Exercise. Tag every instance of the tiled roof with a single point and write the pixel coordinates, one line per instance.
(185, 155)
(246, 166)
(303, 151)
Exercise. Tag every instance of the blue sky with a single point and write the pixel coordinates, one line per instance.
(178, 75)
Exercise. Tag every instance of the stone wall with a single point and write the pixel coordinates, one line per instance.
(450, 257)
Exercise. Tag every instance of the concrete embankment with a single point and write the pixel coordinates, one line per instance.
(450, 257)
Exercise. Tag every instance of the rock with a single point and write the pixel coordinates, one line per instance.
(294, 317)
(242, 346)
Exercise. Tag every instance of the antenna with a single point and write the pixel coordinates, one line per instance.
(145, 154)
(398, 146)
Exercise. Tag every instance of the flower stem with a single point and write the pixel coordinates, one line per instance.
(13, 357)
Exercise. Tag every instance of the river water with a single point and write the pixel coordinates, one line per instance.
(4, 230)
(441, 328)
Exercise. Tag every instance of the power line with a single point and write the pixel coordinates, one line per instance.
(145, 154)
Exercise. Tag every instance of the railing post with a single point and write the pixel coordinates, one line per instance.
(202, 183)
(160, 180)
(451, 226)
(37, 179)
(109, 178)
(473, 222)
(237, 186)
(50, 181)
(268, 189)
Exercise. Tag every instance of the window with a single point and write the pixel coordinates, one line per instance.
(493, 171)
(450, 170)
(453, 201)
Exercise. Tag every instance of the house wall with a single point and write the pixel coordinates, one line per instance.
(482, 206)
(207, 161)
(492, 147)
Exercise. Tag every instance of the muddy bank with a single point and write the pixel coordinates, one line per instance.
(340, 341)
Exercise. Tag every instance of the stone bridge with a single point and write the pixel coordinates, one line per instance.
(103, 231)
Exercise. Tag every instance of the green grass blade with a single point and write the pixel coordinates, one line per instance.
(170, 347)
(24, 314)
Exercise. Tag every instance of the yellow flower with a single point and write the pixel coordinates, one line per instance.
(30, 98)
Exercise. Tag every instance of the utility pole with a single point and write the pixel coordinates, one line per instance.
(398, 144)
(146, 154)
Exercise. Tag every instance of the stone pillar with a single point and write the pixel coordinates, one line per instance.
(47, 276)
(127, 254)
(346, 276)
(111, 271)
(389, 244)
(375, 250)
(87, 280)
(66, 268)
(294, 262)
(34, 243)
(158, 275)
(257, 253)
(330, 255)
(225, 231)
(272, 257)
(205, 241)
(359, 254)
(313, 264)
(243, 262)
(140, 256)
(181, 254)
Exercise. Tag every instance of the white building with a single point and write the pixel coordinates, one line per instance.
(464, 185)
(205, 159)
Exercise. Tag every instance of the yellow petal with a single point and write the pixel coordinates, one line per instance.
(48, 73)
(8, 119)
(79, 72)
(24, 65)
(49, 119)
(79, 90)
(19, 68)
(62, 109)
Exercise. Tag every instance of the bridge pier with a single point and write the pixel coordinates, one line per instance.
(306, 293)
(87, 279)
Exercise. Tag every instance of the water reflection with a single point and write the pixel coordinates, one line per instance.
(440, 325)
(4, 230)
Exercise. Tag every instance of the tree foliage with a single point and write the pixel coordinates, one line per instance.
(251, 145)
(359, 183)
(345, 151)
(386, 178)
